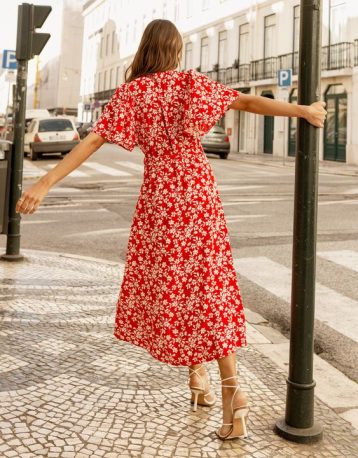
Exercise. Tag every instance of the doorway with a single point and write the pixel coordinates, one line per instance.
(335, 130)
(268, 127)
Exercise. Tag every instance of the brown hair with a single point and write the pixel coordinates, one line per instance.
(160, 49)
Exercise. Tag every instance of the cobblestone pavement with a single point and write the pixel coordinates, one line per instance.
(69, 388)
(339, 168)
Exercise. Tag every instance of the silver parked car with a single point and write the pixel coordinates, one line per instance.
(50, 135)
(216, 141)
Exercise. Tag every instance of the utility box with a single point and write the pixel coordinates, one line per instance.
(5, 174)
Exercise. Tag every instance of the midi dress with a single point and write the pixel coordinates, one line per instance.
(179, 298)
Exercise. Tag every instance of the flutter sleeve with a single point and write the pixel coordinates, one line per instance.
(207, 102)
(117, 121)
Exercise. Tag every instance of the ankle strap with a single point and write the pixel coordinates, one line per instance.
(228, 378)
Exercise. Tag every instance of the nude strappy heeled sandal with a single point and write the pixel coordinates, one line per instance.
(239, 416)
(198, 392)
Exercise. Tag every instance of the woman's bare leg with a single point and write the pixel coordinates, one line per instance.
(228, 368)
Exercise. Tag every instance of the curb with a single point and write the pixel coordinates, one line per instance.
(257, 159)
(70, 255)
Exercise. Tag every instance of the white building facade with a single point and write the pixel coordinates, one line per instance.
(242, 44)
(58, 78)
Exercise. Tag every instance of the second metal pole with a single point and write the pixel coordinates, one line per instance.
(13, 233)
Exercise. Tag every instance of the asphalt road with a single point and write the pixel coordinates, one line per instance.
(90, 212)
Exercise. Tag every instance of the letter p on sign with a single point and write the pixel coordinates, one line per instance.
(284, 78)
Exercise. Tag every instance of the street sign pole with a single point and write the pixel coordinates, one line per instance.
(29, 43)
(13, 234)
(298, 424)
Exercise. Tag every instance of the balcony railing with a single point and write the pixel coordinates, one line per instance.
(336, 56)
(212, 74)
(290, 60)
(264, 68)
(356, 52)
(240, 74)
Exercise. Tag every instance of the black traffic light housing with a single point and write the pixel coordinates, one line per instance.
(29, 42)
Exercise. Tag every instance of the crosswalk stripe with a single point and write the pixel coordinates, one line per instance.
(345, 258)
(233, 218)
(131, 165)
(332, 308)
(226, 204)
(78, 173)
(40, 221)
(106, 170)
(226, 187)
(74, 173)
(100, 232)
(64, 189)
(71, 210)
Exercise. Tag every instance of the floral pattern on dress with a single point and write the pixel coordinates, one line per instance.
(179, 298)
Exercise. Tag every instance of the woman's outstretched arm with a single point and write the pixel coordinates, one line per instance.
(32, 197)
(315, 113)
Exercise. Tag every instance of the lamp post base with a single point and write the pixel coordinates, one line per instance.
(300, 435)
(11, 257)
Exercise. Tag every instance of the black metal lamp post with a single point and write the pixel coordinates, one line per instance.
(298, 424)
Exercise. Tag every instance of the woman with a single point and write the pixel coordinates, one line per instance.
(179, 298)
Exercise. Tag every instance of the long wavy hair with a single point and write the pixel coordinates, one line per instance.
(160, 49)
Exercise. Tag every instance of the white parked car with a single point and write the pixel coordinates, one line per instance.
(49, 136)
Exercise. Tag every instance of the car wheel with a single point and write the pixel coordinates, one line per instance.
(33, 154)
(224, 155)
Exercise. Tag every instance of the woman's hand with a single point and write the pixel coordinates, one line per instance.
(316, 114)
(31, 199)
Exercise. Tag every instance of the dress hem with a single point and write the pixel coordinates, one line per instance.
(219, 355)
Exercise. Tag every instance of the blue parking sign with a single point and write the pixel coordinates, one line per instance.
(9, 59)
(284, 78)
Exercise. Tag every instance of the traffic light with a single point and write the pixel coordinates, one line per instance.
(29, 42)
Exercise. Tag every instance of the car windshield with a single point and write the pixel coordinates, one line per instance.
(55, 125)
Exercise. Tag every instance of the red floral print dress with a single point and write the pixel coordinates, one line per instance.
(179, 298)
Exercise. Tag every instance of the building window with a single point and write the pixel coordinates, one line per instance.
(188, 55)
(111, 78)
(127, 33)
(113, 41)
(135, 30)
(296, 28)
(176, 10)
(337, 21)
(189, 8)
(244, 50)
(105, 80)
(101, 47)
(99, 81)
(222, 49)
(107, 44)
(204, 54)
(117, 76)
(205, 4)
(269, 36)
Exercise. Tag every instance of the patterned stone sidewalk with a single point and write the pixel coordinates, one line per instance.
(70, 389)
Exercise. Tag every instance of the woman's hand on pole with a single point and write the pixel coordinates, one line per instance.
(316, 114)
